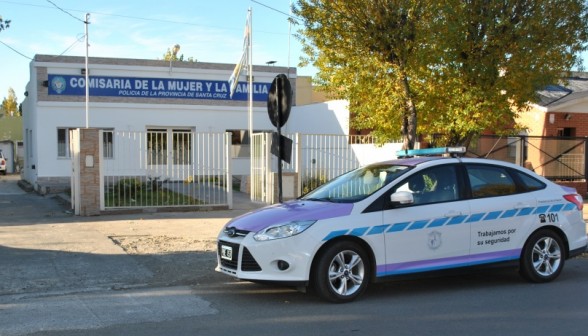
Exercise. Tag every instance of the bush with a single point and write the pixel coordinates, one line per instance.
(128, 187)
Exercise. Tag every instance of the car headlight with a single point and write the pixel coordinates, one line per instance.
(283, 230)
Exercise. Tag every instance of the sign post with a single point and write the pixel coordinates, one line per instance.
(279, 104)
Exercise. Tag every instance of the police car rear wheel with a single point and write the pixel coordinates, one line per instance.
(543, 257)
(342, 272)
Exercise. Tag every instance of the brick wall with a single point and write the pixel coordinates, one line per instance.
(89, 172)
(578, 121)
(540, 123)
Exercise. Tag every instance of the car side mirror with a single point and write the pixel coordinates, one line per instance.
(402, 198)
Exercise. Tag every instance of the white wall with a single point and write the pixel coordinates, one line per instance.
(331, 117)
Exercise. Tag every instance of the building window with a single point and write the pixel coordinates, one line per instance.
(182, 147)
(108, 144)
(157, 146)
(566, 132)
(63, 142)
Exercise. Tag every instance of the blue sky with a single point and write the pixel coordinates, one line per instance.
(210, 31)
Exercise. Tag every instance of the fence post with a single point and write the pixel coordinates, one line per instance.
(585, 157)
(89, 158)
(298, 163)
(229, 174)
(520, 151)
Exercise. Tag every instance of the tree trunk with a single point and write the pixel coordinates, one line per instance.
(409, 119)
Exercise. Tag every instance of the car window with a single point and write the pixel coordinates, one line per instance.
(356, 184)
(530, 183)
(437, 184)
(488, 181)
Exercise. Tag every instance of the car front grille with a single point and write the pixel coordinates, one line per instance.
(248, 263)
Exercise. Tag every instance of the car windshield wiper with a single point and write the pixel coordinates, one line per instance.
(320, 199)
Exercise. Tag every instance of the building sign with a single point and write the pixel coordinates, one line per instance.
(139, 87)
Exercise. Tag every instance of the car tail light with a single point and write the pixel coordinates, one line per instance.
(576, 199)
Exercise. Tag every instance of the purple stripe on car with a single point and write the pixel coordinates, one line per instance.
(443, 263)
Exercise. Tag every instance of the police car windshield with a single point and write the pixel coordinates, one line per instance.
(357, 184)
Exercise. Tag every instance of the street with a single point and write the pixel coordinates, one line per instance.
(153, 274)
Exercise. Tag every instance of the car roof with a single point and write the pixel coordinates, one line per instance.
(418, 160)
(413, 161)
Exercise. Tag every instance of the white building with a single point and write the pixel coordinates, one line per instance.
(133, 95)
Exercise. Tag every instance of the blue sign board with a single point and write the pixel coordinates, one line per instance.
(140, 87)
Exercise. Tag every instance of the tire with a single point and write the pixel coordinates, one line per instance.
(342, 272)
(543, 257)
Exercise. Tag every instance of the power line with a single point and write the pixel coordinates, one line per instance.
(16, 51)
(274, 9)
(146, 19)
(66, 12)
(79, 39)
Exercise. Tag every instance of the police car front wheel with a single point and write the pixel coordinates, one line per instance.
(342, 272)
(543, 257)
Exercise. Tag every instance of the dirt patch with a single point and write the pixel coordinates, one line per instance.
(173, 260)
(147, 244)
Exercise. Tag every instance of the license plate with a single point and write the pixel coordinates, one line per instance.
(226, 252)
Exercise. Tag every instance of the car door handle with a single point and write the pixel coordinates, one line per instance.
(522, 206)
(453, 213)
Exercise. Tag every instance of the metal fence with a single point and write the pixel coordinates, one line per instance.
(165, 168)
(324, 157)
(316, 158)
(556, 158)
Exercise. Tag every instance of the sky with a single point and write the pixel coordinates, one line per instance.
(207, 30)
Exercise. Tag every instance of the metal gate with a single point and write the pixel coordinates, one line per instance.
(261, 173)
(165, 168)
(556, 158)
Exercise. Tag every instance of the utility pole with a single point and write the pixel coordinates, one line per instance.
(87, 72)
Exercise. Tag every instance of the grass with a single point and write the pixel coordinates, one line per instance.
(149, 198)
(131, 192)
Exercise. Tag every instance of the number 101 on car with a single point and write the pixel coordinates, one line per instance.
(549, 218)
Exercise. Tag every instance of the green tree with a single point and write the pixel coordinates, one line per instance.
(461, 64)
(10, 104)
(172, 55)
(497, 55)
(368, 53)
(4, 24)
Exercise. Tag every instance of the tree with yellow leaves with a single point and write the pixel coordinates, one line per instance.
(444, 68)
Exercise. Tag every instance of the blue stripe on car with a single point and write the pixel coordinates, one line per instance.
(525, 211)
(492, 215)
(378, 229)
(442, 221)
(418, 224)
(398, 227)
(438, 222)
(457, 220)
(359, 231)
(509, 213)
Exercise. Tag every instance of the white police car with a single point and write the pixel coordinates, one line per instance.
(404, 217)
